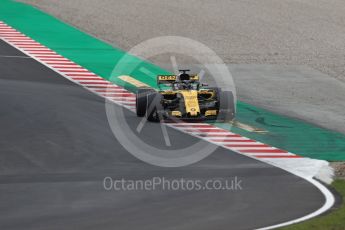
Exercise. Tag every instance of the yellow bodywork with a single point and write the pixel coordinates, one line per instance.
(211, 113)
(176, 113)
(191, 102)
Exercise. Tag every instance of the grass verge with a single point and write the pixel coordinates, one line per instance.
(335, 220)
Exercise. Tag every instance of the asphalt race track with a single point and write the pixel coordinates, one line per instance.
(57, 147)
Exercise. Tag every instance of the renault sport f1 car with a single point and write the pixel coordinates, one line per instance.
(183, 97)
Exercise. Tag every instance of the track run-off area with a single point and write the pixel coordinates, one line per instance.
(306, 204)
(58, 147)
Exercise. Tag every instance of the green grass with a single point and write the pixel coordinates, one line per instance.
(332, 221)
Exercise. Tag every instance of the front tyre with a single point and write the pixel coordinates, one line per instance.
(141, 101)
(226, 106)
(153, 107)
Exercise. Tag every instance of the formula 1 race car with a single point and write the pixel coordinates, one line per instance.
(183, 97)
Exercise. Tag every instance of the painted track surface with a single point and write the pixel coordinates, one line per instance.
(283, 33)
(99, 57)
(57, 147)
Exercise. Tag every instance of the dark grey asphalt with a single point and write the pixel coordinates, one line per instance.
(56, 147)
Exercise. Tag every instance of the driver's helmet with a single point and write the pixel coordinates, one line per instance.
(184, 77)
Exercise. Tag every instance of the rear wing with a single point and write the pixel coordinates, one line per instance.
(170, 79)
(194, 78)
(166, 79)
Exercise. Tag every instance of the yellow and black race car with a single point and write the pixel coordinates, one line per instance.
(183, 97)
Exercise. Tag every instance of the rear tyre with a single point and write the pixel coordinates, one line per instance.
(153, 107)
(226, 106)
(141, 100)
